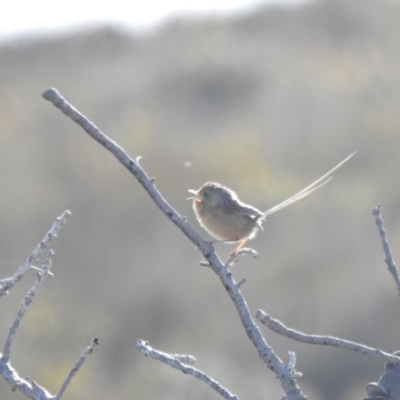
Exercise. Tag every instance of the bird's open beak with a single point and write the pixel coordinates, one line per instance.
(196, 195)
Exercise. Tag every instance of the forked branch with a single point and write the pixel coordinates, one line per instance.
(27, 387)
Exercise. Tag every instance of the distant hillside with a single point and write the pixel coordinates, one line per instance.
(264, 104)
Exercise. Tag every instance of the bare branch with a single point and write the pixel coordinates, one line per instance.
(176, 363)
(266, 353)
(7, 284)
(280, 328)
(26, 302)
(31, 390)
(76, 367)
(386, 247)
(132, 165)
(25, 386)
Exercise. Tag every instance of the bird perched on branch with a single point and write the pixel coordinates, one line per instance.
(226, 218)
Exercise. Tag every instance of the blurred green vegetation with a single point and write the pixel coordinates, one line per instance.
(264, 103)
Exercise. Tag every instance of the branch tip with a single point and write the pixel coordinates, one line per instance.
(89, 350)
(50, 94)
(240, 283)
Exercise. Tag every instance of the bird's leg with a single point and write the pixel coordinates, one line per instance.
(241, 244)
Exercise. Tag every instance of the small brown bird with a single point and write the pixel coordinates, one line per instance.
(221, 213)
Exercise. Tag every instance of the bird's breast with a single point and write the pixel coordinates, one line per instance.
(228, 227)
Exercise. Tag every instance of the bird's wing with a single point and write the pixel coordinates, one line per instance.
(307, 190)
(245, 209)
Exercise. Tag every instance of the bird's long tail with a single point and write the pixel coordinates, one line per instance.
(307, 190)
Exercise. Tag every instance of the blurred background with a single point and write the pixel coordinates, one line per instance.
(264, 101)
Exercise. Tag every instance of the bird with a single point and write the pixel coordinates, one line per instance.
(220, 212)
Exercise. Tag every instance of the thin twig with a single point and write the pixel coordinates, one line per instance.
(292, 364)
(280, 328)
(386, 247)
(32, 389)
(26, 302)
(7, 284)
(29, 389)
(176, 363)
(77, 365)
(285, 376)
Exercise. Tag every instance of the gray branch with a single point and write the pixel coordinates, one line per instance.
(280, 328)
(283, 374)
(386, 247)
(76, 367)
(175, 362)
(26, 302)
(30, 388)
(7, 284)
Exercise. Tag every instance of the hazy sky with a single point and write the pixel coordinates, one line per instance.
(20, 15)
